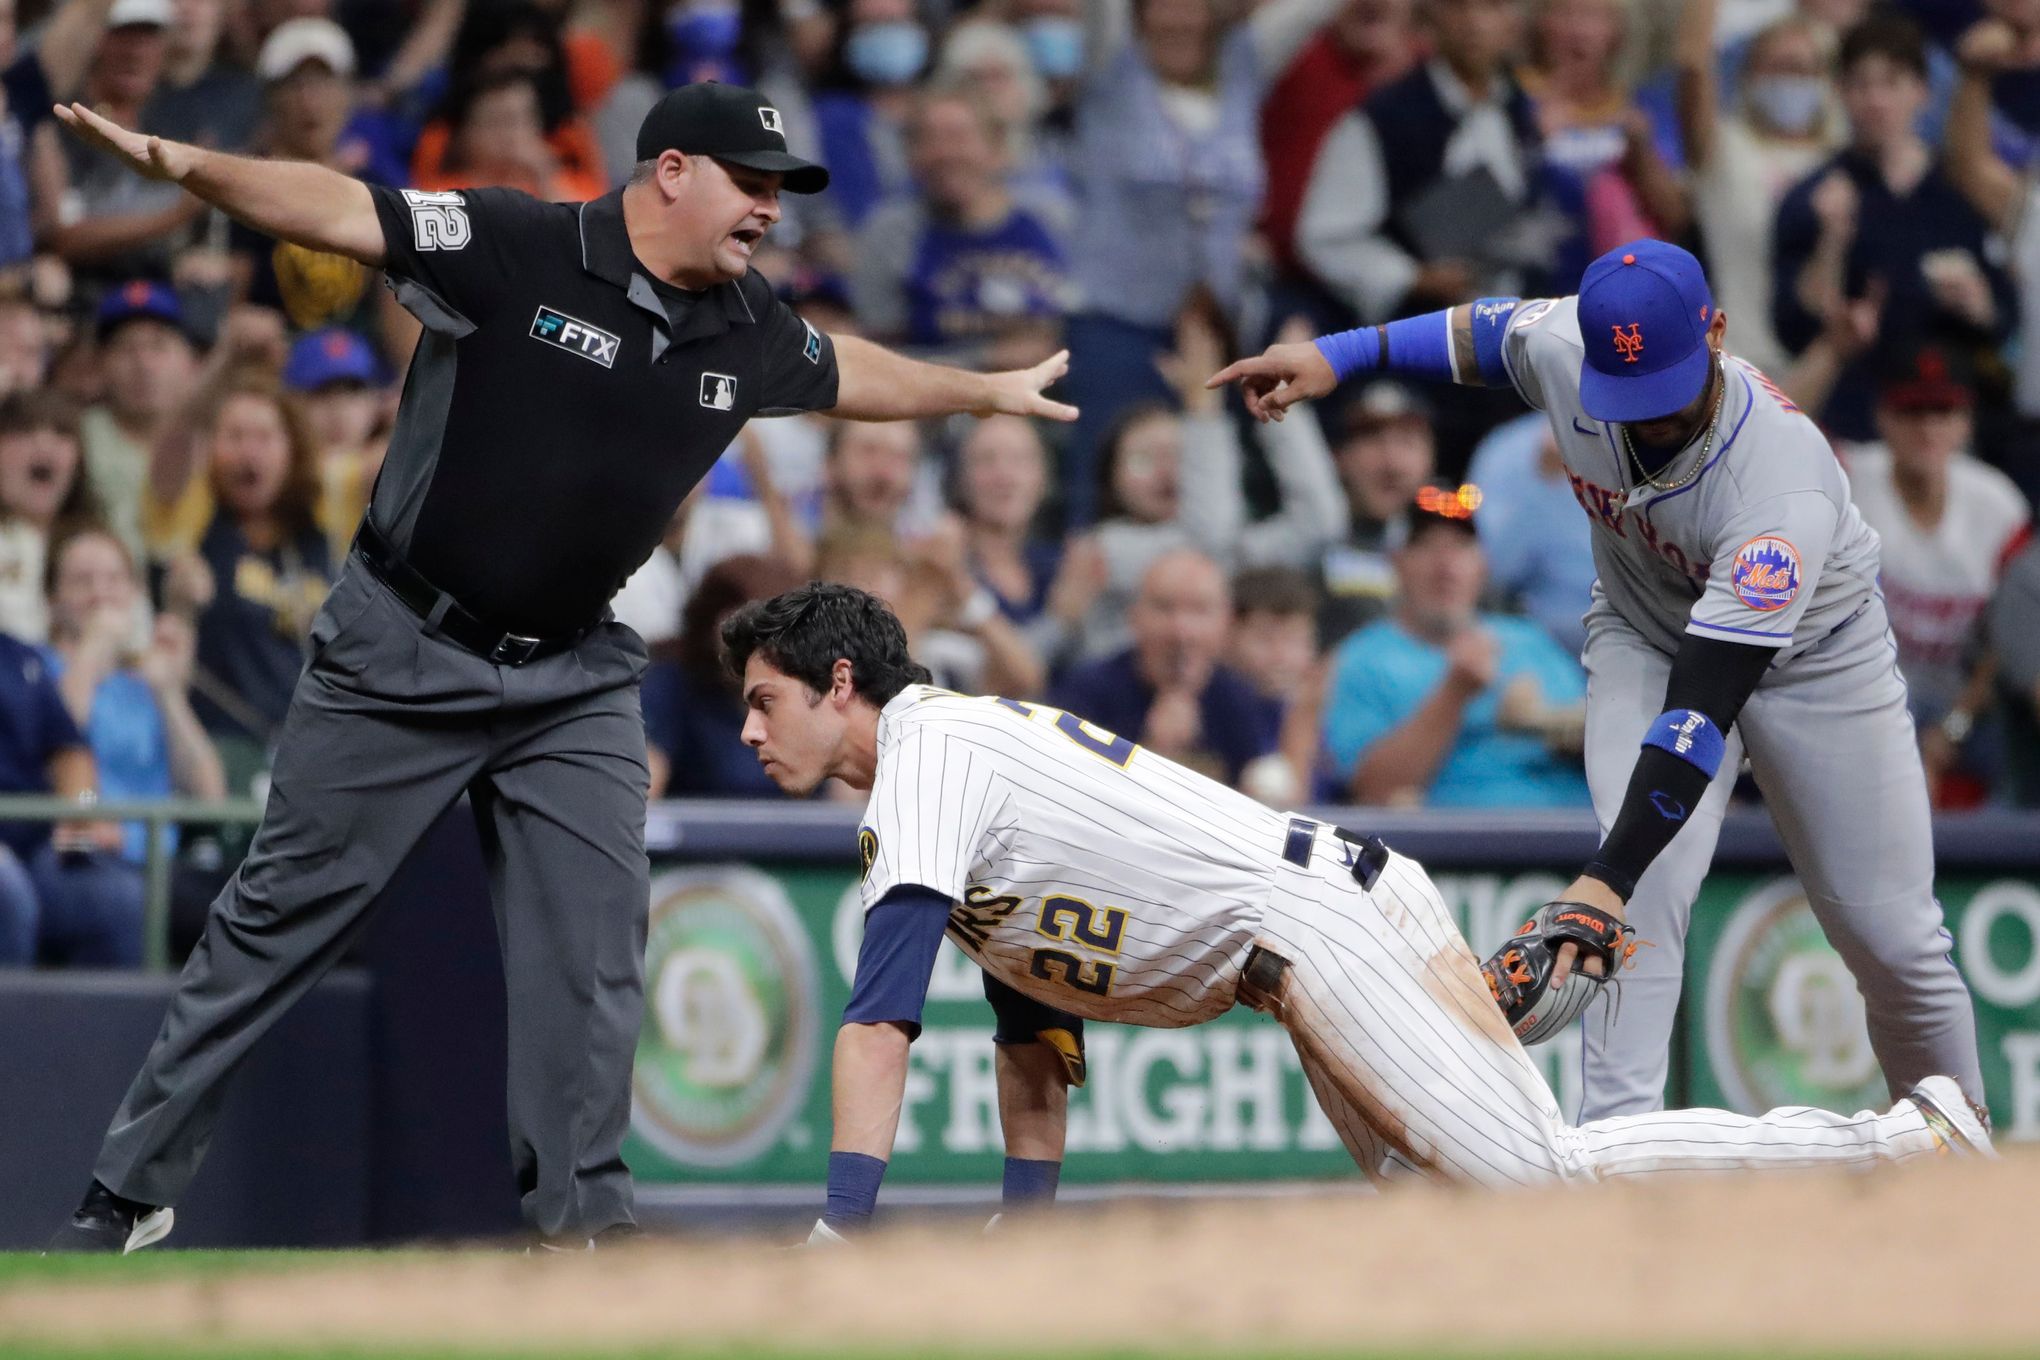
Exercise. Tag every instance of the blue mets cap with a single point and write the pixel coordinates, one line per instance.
(1644, 312)
(330, 356)
(138, 300)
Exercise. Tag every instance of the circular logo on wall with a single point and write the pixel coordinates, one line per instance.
(728, 1044)
(1784, 1019)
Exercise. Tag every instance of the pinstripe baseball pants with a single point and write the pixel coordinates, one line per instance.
(1411, 1060)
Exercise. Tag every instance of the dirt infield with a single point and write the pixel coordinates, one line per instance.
(1939, 1258)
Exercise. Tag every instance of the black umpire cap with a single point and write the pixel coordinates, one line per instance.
(729, 123)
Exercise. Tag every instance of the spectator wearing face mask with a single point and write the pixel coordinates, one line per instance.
(1002, 66)
(960, 268)
(1746, 146)
(862, 112)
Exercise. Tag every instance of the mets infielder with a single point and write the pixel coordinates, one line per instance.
(1087, 874)
(1736, 612)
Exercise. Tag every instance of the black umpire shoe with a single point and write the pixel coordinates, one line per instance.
(106, 1222)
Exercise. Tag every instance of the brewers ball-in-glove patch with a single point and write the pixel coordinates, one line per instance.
(1519, 974)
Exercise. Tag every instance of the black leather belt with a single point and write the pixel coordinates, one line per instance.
(1367, 856)
(439, 610)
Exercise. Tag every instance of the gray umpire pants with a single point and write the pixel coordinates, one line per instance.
(390, 724)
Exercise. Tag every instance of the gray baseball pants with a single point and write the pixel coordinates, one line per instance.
(1832, 747)
(390, 724)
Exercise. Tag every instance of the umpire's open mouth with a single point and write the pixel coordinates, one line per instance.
(747, 239)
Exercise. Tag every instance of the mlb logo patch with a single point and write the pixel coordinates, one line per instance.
(718, 391)
(770, 118)
(1765, 574)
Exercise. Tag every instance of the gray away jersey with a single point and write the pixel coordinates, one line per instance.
(1086, 871)
(1763, 547)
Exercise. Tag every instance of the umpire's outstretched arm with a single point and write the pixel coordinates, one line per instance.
(295, 201)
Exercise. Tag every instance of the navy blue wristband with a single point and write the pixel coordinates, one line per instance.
(1031, 1182)
(853, 1189)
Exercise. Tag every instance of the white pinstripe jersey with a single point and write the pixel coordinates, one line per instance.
(1086, 871)
(1763, 547)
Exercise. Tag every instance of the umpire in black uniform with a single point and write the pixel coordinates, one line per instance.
(581, 368)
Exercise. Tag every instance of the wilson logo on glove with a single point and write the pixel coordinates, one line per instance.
(1519, 974)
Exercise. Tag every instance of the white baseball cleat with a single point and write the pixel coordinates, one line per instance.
(826, 1236)
(1959, 1131)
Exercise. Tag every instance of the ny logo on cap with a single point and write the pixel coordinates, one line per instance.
(770, 118)
(1628, 344)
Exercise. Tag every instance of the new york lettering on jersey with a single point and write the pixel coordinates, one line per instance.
(1085, 871)
(1764, 549)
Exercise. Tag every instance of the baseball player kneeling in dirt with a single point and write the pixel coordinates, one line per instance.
(1089, 875)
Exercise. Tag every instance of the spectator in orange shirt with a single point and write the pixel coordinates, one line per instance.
(496, 40)
(496, 136)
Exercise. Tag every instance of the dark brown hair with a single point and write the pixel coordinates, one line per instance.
(297, 501)
(46, 409)
(728, 585)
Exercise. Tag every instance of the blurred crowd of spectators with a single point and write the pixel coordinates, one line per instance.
(1378, 600)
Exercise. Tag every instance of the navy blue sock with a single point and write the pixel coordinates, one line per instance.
(1031, 1182)
(853, 1189)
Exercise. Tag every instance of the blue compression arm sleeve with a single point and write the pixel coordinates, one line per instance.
(1422, 347)
(901, 935)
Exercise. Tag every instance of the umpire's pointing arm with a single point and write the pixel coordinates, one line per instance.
(295, 201)
(312, 206)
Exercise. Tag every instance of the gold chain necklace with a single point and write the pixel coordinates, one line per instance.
(1713, 424)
